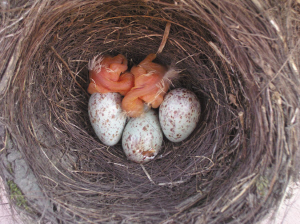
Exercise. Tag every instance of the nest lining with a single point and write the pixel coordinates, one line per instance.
(243, 68)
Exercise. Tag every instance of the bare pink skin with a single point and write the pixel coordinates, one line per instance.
(111, 76)
(149, 87)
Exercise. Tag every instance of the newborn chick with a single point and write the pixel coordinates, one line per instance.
(107, 75)
(151, 82)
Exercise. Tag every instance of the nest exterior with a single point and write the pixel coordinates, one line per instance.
(241, 58)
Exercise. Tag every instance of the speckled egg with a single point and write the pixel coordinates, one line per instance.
(142, 137)
(179, 114)
(107, 117)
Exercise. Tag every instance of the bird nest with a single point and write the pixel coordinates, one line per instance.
(241, 58)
